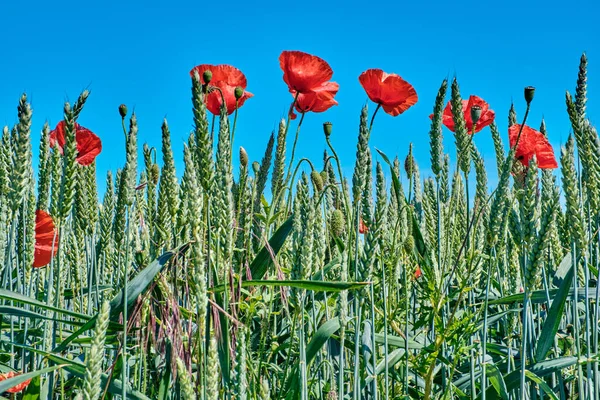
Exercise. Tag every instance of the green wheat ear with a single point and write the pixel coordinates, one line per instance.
(93, 366)
(185, 381)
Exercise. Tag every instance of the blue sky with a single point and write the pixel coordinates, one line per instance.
(140, 53)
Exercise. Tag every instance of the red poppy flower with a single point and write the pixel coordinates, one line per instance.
(532, 143)
(88, 144)
(226, 78)
(303, 72)
(418, 273)
(362, 227)
(45, 237)
(487, 115)
(17, 388)
(390, 91)
(319, 100)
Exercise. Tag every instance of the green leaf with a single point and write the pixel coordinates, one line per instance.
(317, 286)
(135, 287)
(19, 298)
(543, 385)
(14, 381)
(264, 259)
(393, 358)
(20, 312)
(539, 296)
(554, 317)
(320, 337)
(562, 270)
(140, 282)
(540, 369)
(497, 380)
(33, 390)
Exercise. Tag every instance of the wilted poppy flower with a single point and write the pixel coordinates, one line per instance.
(532, 143)
(390, 91)
(319, 100)
(226, 78)
(17, 388)
(88, 144)
(362, 227)
(486, 118)
(45, 238)
(304, 72)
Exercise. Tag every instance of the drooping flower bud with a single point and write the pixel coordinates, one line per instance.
(338, 223)
(529, 93)
(154, 174)
(243, 157)
(317, 180)
(238, 92)
(324, 177)
(327, 128)
(123, 110)
(256, 167)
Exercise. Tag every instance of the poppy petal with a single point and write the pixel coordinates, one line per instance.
(303, 72)
(46, 239)
(319, 100)
(88, 146)
(390, 91)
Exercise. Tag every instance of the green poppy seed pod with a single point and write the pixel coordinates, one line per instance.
(529, 93)
(207, 76)
(409, 244)
(338, 223)
(327, 128)
(475, 114)
(154, 174)
(239, 92)
(256, 167)
(123, 110)
(317, 180)
(243, 157)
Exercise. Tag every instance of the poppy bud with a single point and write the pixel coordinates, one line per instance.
(409, 244)
(139, 258)
(123, 110)
(324, 177)
(238, 92)
(529, 92)
(317, 180)
(475, 114)
(207, 76)
(243, 157)
(327, 128)
(154, 174)
(338, 224)
(256, 167)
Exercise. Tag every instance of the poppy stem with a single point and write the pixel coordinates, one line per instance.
(294, 146)
(234, 123)
(124, 128)
(521, 128)
(373, 117)
(287, 126)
